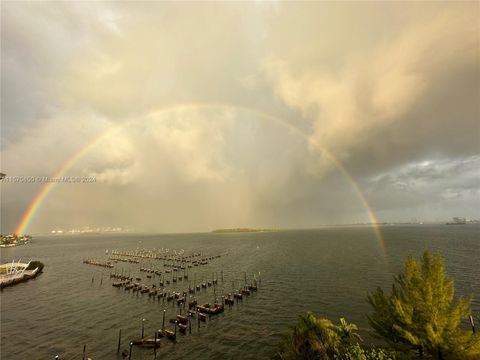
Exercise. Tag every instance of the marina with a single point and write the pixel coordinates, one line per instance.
(159, 275)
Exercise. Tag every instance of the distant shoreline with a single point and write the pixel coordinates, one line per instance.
(12, 240)
(243, 230)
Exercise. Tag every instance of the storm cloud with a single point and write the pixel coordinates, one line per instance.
(239, 114)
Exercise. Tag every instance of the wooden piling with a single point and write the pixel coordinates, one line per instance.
(119, 340)
(155, 345)
(84, 351)
(130, 351)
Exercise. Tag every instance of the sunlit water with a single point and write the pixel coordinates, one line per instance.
(328, 271)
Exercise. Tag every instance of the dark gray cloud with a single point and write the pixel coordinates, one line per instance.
(451, 185)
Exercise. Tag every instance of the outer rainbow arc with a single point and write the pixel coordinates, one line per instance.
(45, 190)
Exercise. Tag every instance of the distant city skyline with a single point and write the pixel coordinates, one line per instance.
(196, 116)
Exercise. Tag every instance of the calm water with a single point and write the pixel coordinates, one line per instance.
(328, 271)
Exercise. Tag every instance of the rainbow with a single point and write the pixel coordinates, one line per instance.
(35, 205)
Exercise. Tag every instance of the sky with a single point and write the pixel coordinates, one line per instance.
(203, 115)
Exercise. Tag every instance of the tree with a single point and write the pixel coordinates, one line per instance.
(310, 338)
(348, 332)
(313, 338)
(420, 313)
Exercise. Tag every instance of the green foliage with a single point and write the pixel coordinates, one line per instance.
(310, 338)
(356, 352)
(420, 313)
(313, 338)
(419, 317)
(348, 332)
